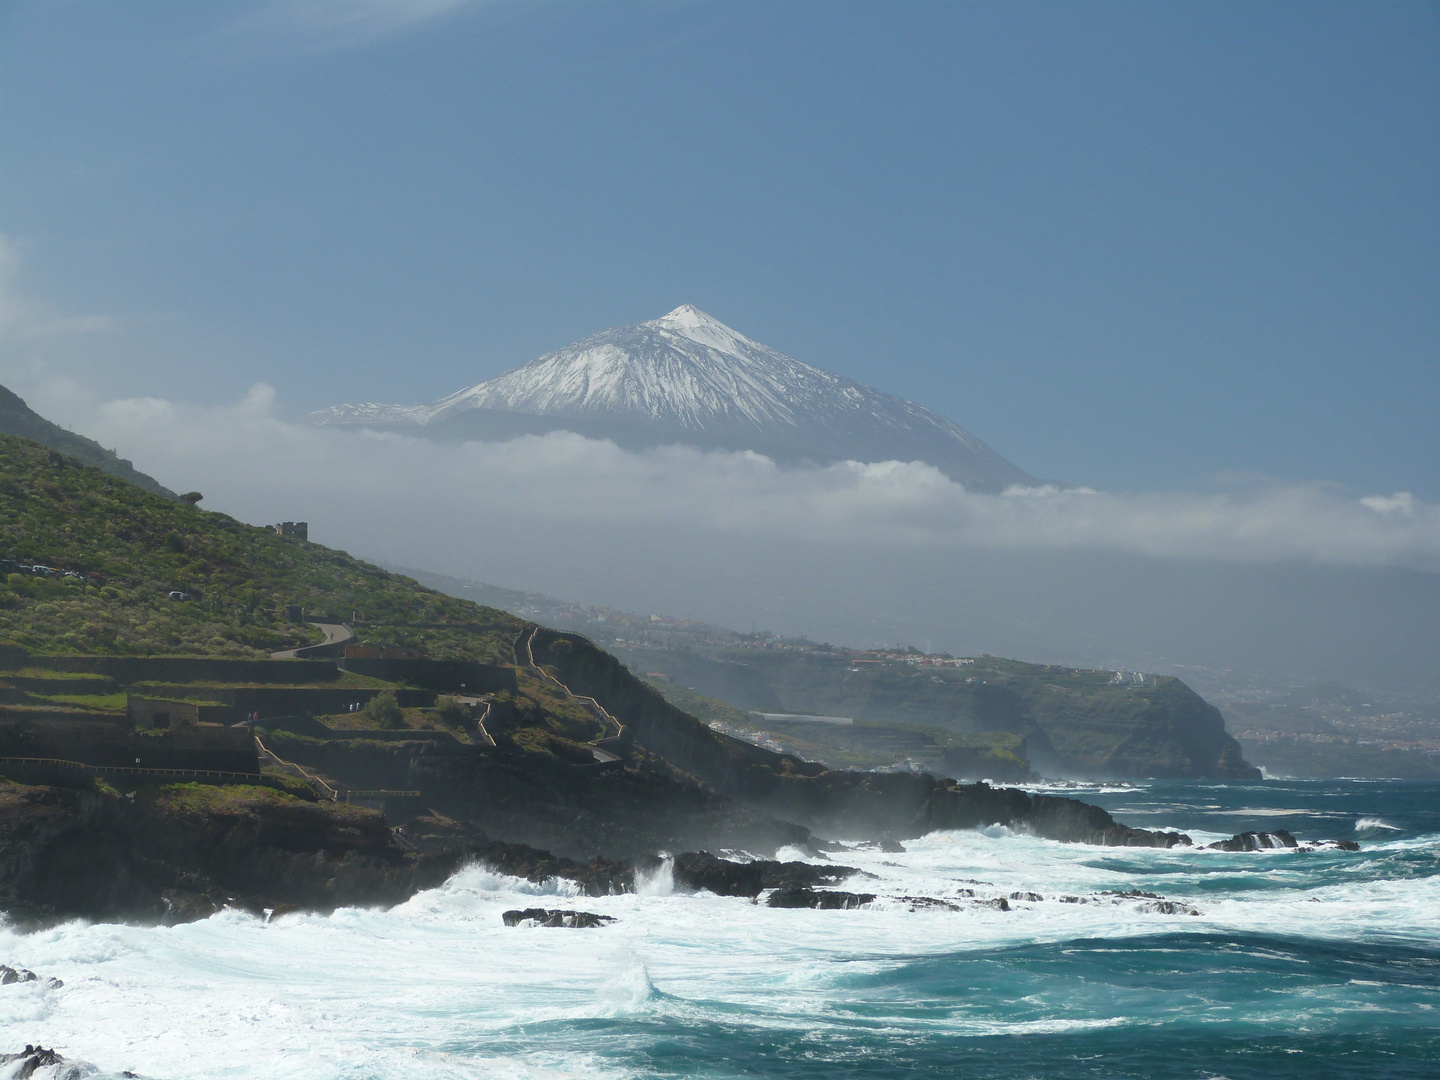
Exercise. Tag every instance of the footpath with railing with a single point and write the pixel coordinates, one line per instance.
(321, 786)
(53, 768)
(135, 771)
(610, 747)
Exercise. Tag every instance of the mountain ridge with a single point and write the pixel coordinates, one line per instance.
(17, 418)
(686, 377)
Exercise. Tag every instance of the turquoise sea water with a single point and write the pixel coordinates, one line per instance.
(1298, 965)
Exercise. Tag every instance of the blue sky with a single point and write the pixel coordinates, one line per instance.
(1135, 246)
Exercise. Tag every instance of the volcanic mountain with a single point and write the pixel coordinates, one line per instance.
(688, 378)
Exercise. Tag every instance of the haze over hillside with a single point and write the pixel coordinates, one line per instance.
(688, 378)
(17, 418)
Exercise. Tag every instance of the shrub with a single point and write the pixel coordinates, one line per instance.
(384, 709)
(451, 711)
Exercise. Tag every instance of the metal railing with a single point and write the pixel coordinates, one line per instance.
(614, 730)
(208, 774)
(323, 789)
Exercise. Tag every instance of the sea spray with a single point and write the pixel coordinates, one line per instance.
(1369, 826)
(439, 987)
(659, 881)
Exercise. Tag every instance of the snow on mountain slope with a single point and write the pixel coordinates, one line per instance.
(689, 378)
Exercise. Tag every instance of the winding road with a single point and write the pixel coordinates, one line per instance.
(335, 634)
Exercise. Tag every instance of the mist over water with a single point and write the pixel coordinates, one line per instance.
(1299, 965)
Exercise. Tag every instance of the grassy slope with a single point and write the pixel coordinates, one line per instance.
(61, 514)
(17, 418)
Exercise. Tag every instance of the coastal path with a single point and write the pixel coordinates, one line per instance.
(614, 730)
(320, 785)
(478, 733)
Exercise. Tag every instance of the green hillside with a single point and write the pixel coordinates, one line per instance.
(135, 548)
(1075, 722)
(861, 744)
(17, 418)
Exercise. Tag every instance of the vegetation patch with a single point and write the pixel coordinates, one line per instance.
(133, 549)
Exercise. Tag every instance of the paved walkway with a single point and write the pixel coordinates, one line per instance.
(480, 734)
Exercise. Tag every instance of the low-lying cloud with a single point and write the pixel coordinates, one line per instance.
(388, 487)
(1289, 581)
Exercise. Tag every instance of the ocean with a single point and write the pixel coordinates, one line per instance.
(1296, 965)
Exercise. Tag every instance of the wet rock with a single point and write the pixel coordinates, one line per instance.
(1256, 841)
(1149, 901)
(1169, 907)
(10, 975)
(827, 899)
(578, 920)
(1033, 897)
(1329, 845)
(892, 846)
(23, 1065)
(927, 903)
(975, 806)
(999, 903)
(598, 877)
(701, 870)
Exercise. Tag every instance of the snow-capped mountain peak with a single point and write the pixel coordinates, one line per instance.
(687, 377)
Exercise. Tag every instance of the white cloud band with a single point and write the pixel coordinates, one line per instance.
(385, 486)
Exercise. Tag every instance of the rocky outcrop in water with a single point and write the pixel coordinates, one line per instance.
(1277, 840)
(577, 920)
(10, 975)
(701, 870)
(598, 877)
(973, 806)
(1256, 841)
(24, 1064)
(824, 899)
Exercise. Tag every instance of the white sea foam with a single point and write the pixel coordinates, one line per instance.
(415, 990)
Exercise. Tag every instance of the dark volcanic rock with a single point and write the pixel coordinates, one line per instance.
(928, 903)
(598, 877)
(828, 899)
(1170, 907)
(170, 855)
(701, 870)
(555, 917)
(1256, 841)
(10, 975)
(23, 1065)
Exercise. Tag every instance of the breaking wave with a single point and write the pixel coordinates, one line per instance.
(935, 979)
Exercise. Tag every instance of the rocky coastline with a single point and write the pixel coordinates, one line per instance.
(176, 854)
